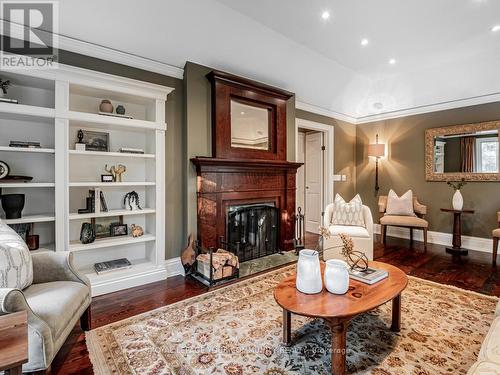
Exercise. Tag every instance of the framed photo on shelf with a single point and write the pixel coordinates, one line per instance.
(103, 225)
(95, 141)
(118, 230)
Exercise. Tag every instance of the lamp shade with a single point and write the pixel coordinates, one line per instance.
(376, 149)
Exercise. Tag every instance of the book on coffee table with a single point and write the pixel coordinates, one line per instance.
(369, 276)
(112, 265)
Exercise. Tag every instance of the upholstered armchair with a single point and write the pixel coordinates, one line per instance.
(58, 297)
(411, 222)
(362, 236)
(496, 237)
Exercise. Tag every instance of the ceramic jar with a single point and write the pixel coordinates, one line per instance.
(309, 272)
(106, 106)
(120, 110)
(336, 276)
(13, 205)
(458, 200)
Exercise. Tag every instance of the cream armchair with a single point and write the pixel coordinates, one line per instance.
(362, 236)
(411, 222)
(57, 299)
(496, 237)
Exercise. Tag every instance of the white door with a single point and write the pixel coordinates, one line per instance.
(314, 180)
(301, 180)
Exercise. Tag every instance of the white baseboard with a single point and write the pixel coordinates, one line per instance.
(174, 267)
(439, 238)
(118, 282)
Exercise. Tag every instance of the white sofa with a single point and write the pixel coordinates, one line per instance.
(488, 361)
(361, 236)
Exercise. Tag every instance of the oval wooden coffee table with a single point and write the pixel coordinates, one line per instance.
(338, 310)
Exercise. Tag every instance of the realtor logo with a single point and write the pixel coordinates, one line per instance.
(29, 32)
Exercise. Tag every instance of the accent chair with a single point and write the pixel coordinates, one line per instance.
(58, 297)
(411, 222)
(496, 237)
(362, 236)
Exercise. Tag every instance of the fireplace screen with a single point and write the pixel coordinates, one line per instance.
(253, 230)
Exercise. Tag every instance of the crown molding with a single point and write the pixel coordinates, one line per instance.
(100, 52)
(109, 54)
(325, 112)
(442, 106)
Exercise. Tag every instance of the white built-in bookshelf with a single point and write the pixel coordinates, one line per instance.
(53, 106)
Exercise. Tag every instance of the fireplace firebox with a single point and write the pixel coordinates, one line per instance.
(253, 230)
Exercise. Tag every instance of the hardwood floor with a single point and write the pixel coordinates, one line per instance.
(473, 272)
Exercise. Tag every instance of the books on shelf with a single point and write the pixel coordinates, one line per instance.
(7, 100)
(24, 144)
(112, 265)
(129, 150)
(369, 276)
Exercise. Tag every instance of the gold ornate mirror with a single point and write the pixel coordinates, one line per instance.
(469, 152)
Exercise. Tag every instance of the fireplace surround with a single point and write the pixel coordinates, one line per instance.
(240, 176)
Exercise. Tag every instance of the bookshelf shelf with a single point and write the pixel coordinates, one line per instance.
(52, 107)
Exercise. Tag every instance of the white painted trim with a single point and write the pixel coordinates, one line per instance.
(439, 238)
(129, 281)
(324, 112)
(113, 55)
(329, 145)
(452, 104)
(174, 267)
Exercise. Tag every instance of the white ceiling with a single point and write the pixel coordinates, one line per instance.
(444, 49)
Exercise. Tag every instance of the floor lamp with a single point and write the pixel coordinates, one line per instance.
(376, 150)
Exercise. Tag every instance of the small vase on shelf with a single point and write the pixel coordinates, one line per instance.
(457, 201)
(309, 272)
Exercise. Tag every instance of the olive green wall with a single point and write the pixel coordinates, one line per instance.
(174, 152)
(404, 168)
(198, 131)
(344, 139)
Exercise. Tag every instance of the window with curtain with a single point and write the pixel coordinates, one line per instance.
(487, 155)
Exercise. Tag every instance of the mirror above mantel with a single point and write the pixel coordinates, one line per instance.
(469, 152)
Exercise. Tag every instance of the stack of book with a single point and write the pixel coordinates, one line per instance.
(24, 144)
(112, 265)
(369, 276)
(129, 150)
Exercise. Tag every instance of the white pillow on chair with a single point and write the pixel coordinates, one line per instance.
(16, 267)
(350, 214)
(400, 206)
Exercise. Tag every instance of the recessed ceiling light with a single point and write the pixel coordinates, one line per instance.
(325, 15)
(392, 61)
(364, 42)
(242, 113)
(495, 28)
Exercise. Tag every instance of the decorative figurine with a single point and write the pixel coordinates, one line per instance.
(131, 201)
(87, 233)
(137, 230)
(4, 85)
(120, 110)
(116, 171)
(106, 106)
(80, 146)
(188, 254)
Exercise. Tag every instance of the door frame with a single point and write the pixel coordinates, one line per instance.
(328, 131)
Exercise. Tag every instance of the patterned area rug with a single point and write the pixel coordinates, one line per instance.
(236, 330)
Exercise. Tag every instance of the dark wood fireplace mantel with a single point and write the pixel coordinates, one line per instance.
(240, 174)
(225, 182)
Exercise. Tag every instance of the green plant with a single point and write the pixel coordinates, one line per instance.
(457, 185)
(4, 85)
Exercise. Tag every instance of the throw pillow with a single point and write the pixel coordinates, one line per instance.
(350, 214)
(400, 206)
(16, 267)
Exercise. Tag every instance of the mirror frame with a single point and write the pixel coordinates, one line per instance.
(430, 134)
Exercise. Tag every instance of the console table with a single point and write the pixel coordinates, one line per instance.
(457, 231)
